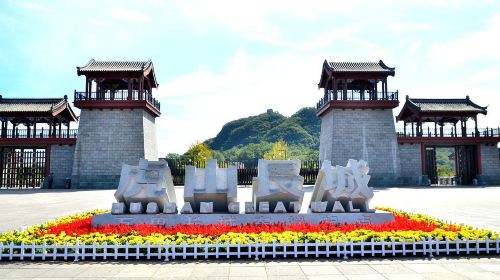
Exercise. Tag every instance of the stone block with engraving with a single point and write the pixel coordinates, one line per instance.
(187, 209)
(150, 181)
(278, 180)
(211, 184)
(345, 189)
(170, 208)
(234, 207)
(206, 207)
(118, 208)
(264, 207)
(152, 208)
(135, 208)
(249, 207)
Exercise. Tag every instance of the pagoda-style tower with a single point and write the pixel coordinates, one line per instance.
(117, 120)
(356, 118)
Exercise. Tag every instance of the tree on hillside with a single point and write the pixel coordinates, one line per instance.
(199, 152)
(175, 157)
(278, 151)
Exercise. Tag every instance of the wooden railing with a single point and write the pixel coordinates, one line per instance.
(39, 133)
(123, 95)
(471, 132)
(355, 95)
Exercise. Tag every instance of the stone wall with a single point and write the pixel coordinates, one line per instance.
(362, 134)
(150, 146)
(490, 165)
(411, 164)
(61, 163)
(108, 138)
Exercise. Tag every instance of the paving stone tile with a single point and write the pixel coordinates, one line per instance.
(59, 272)
(463, 267)
(247, 277)
(327, 277)
(390, 268)
(365, 277)
(444, 276)
(208, 277)
(426, 268)
(204, 271)
(243, 271)
(286, 270)
(50, 278)
(140, 270)
(129, 278)
(173, 271)
(320, 270)
(27, 273)
(286, 277)
(100, 272)
(352, 269)
(5, 271)
(480, 275)
(404, 276)
(490, 267)
(171, 278)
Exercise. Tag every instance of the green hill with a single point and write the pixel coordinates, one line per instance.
(248, 138)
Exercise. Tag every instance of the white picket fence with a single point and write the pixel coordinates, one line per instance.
(430, 247)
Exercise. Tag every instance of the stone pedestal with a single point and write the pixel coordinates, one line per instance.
(241, 219)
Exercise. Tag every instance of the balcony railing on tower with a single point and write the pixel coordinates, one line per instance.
(356, 95)
(450, 132)
(17, 133)
(119, 95)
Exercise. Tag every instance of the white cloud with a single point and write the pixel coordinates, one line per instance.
(488, 75)
(36, 6)
(131, 16)
(408, 27)
(483, 44)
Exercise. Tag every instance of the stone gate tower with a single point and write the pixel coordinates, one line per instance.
(117, 121)
(356, 118)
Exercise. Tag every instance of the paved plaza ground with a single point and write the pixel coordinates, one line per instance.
(479, 207)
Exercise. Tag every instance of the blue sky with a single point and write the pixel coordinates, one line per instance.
(221, 60)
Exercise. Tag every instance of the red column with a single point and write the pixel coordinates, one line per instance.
(423, 159)
(345, 90)
(47, 160)
(129, 89)
(479, 167)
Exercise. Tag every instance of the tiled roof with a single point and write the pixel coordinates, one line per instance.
(48, 105)
(359, 67)
(446, 105)
(117, 66)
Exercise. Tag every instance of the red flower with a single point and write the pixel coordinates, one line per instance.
(84, 226)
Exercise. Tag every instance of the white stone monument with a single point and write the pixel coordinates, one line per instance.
(278, 180)
(345, 189)
(211, 184)
(150, 181)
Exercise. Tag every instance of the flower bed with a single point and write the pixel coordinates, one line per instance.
(405, 228)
